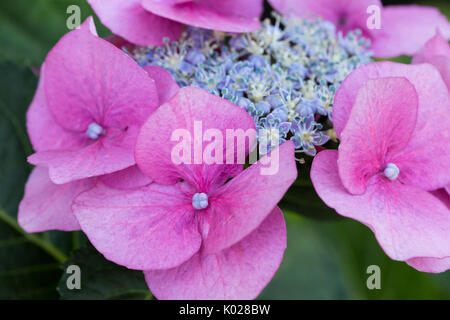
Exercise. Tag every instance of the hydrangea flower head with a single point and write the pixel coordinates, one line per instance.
(393, 123)
(148, 22)
(196, 233)
(281, 74)
(397, 23)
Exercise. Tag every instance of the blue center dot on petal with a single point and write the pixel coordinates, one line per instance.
(200, 201)
(94, 131)
(391, 171)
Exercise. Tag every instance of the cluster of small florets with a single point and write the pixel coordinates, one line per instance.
(285, 74)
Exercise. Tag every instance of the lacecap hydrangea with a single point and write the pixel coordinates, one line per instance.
(284, 75)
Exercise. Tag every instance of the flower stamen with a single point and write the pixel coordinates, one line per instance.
(94, 131)
(391, 171)
(200, 201)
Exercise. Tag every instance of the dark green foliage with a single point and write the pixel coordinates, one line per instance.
(101, 279)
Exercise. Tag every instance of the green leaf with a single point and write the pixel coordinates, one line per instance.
(29, 263)
(16, 91)
(102, 279)
(400, 59)
(310, 267)
(357, 249)
(30, 28)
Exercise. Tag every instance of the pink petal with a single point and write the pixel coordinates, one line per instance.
(89, 80)
(346, 94)
(249, 9)
(242, 204)
(425, 161)
(380, 125)
(165, 84)
(89, 25)
(240, 272)
(40, 120)
(346, 15)
(436, 46)
(399, 23)
(132, 22)
(443, 65)
(129, 178)
(47, 206)
(430, 264)
(442, 195)
(407, 222)
(44, 132)
(190, 106)
(108, 154)
(211, 14)
(154, 227)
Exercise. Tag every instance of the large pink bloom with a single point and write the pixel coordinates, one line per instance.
(148, 22)
(96, 98)
(198, 234)
(394, 127)
(46, 205)
(398, 23)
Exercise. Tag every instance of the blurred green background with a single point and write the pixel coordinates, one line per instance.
(327, 256)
